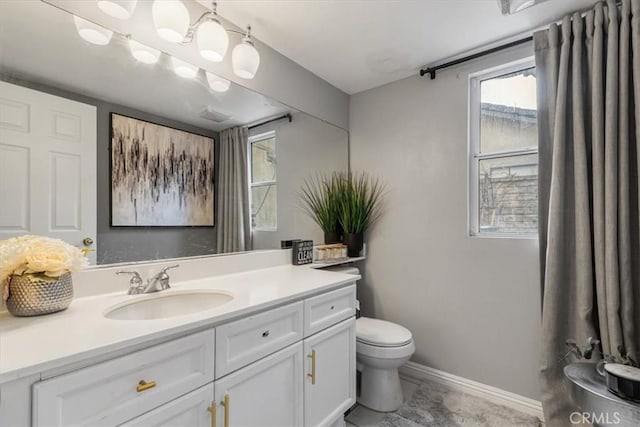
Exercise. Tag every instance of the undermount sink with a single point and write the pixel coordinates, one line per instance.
(170, 304)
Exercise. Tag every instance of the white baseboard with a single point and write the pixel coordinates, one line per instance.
(492, 394)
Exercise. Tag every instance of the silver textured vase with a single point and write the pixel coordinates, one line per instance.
(35, 294)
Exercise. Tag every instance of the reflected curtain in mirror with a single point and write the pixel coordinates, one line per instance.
(234, 215)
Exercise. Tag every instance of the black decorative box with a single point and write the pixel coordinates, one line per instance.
(302, 252)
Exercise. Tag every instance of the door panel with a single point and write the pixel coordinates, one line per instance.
(14, 187)
(65, 192)
(330, 388)
(265, 393)
(47, 166)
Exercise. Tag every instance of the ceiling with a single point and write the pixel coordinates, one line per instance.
(31, 51)
(360, 44)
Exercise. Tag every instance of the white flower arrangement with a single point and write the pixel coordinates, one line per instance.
(39, 255)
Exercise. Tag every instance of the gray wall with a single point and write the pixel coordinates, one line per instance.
(473, 304)
(304, 147)
(121, 244)
(282, 79)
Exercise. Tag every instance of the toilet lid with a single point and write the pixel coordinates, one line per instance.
(381, 333)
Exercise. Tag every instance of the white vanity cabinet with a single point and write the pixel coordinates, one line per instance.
(330, 350)
(309, 383)
(292, 365)
(267, 393)
(330, 389)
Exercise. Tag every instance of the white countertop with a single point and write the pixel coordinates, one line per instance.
(30, 345)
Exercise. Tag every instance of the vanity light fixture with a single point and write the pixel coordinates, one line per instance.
(212, 38)
(91, 32)
(171, 19)
(245, 59)
(121, 9)
(143, 53)
(183, 68)
(217, 83)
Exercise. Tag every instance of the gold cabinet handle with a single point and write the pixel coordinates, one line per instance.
(213, 411)
(143, 385)
(312, 375)
(226, 410)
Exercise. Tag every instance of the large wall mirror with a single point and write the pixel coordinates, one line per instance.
(42, 51)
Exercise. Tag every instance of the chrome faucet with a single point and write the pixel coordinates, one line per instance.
(157, 283)
(160, 281)
(136, 286)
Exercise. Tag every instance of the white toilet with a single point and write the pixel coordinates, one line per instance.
(381, 348)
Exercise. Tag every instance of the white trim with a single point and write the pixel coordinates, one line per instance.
(490, 393)
(262, 136)
(473, 146)
(250, 141)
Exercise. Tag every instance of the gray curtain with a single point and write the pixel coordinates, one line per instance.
(234, 216)
(588, 72)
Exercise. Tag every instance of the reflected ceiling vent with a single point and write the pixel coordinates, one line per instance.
(215, 116)
(509, 7)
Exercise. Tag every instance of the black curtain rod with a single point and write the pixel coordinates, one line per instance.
(286, 116)
(432, 70)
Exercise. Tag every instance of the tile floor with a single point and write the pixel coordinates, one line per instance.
(364, 417)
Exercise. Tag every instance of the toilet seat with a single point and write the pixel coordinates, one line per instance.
(377, 352)
(380, 333)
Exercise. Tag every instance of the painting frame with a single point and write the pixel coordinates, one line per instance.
(181, 140)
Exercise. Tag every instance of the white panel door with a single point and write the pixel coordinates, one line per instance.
(191, 410)
(267, 393)
(330, 383)
(47, 166)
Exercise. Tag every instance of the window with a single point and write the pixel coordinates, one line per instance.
(262, 181)
(503, 152)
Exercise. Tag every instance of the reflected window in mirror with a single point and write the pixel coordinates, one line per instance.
(262, 181)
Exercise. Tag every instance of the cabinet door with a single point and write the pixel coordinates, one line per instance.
(330, 366)
(193, 410)
(265, 393)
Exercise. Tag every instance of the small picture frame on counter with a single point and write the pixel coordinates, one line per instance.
(302, 252)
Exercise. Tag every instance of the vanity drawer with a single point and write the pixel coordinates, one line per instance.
(328, 309)
(247, 340)
(109, 393)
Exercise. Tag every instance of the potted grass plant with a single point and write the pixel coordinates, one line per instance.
(320, 196)
(359, 201)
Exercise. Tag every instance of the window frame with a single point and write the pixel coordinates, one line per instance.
(475, 155)
(250, 141)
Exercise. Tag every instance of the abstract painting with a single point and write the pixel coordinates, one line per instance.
(160, 176)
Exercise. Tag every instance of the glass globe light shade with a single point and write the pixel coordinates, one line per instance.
(245, 60)
(91, 32)
(143, 53)
(171, 19)
(213, 40)
(121, 9)
(217, 83)
(184, 69)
